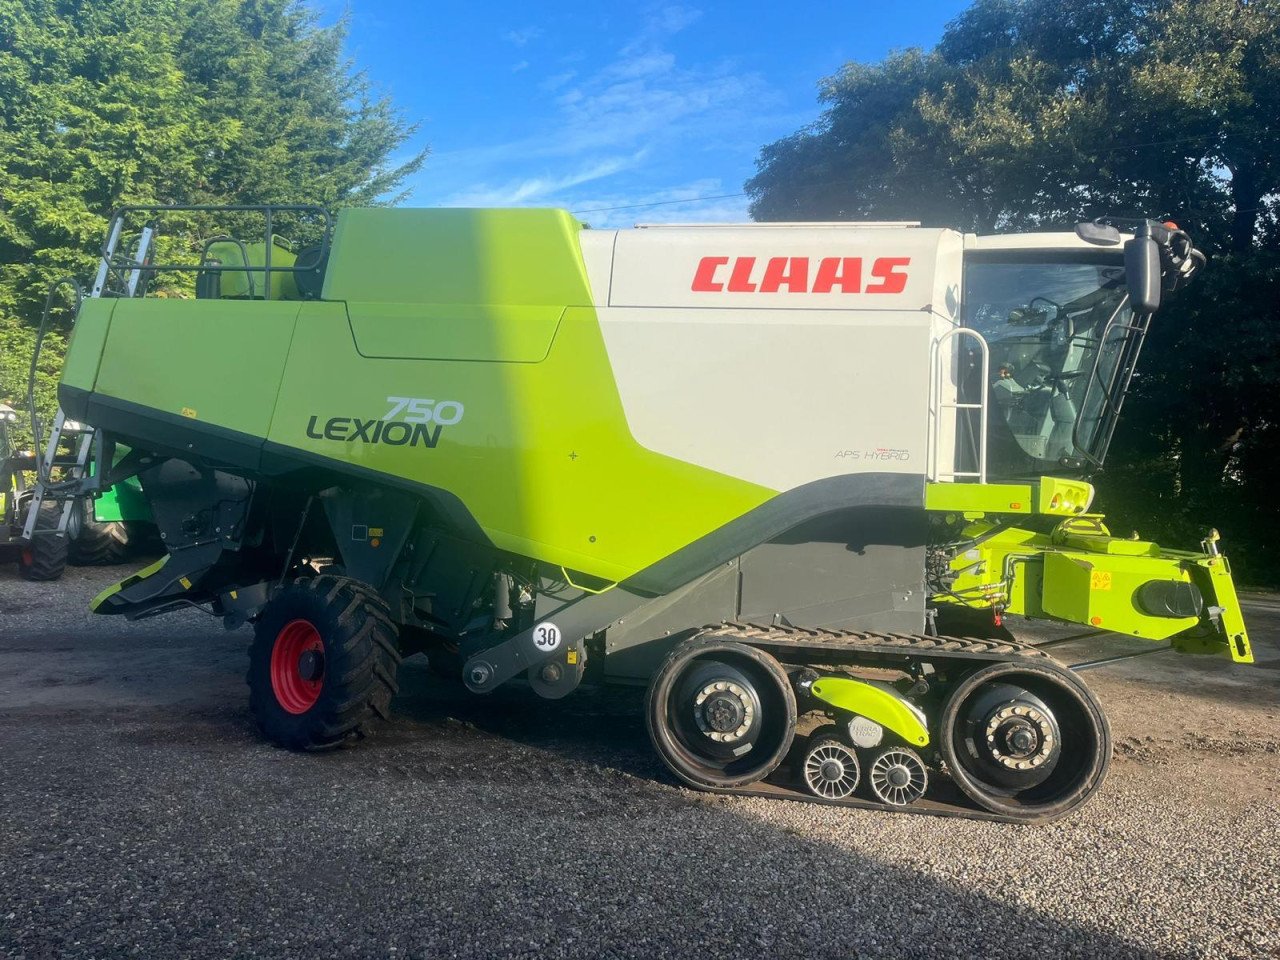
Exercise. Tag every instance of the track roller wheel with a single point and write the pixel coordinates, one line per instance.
(896, 776)
(44, 556)
(322, 668)
(830, 766)
(1026, 740)
(720, 713)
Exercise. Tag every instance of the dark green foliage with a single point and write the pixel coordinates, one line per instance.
(1035, 114)
(110, 102)
(1199, 443)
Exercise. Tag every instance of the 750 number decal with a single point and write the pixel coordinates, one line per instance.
(419, 410)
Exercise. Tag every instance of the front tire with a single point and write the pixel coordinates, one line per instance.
(322, 668)
(720, 714)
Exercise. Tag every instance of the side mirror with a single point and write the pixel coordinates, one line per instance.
(1142, 273)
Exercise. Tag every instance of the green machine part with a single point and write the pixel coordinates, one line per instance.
(875, 703)
(1078, 573)
(533, 443)
(124, 501)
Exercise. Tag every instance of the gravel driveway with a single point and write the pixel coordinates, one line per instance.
(140, 815)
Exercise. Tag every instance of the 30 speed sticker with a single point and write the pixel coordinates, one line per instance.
(546, 636)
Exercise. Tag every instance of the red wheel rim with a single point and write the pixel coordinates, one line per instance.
(28, 557)
(295, 691)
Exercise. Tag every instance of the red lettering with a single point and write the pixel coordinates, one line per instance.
(704, 281)
(793, 272)
(740, 279)
(791, 275)
(845, 272)
(886, 270)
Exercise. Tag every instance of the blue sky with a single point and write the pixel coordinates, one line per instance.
(597, 105)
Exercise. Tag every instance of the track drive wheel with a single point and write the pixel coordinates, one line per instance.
(44, 557)
(720, 713)
(322, 668)
(1026, 740)
(94, 544)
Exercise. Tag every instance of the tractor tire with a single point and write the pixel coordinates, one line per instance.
(322, 667)
(98, 544)
(45, 557)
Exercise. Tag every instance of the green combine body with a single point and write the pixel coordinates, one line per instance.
(757, 468)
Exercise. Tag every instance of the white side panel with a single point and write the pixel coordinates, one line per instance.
(597, 253)
(798, 268)
(775, 397)
(782, 355)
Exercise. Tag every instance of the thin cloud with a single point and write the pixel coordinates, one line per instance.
(530, 190)
(663, 24)
(523, 36)
(643, 103)
(554, 83)
(681, 204)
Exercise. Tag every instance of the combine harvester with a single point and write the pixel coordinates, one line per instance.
(763, 469)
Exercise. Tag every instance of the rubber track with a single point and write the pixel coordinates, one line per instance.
(893, 645)
(943, 799)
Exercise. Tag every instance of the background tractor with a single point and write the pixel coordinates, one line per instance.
(41, 555)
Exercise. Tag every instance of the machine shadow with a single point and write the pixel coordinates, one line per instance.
(881, 909)
(600, 725)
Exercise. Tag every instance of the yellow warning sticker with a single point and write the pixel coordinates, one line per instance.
(375, 531)
(186, 584)
(1100, 580)
(189, 413)
(572, 657)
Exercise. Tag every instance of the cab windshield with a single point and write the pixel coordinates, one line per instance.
(1060, 336)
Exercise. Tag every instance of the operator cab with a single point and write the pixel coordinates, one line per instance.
(1057, 313)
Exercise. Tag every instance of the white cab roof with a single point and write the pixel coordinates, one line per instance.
(1037, 241)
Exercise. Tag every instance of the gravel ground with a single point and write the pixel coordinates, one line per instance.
(141, 816)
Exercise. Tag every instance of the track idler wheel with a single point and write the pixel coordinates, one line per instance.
(720, 713)
(830, 766)
(896, 776)
(1026, 740)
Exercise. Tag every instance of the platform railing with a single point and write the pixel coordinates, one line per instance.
(940, 364)
(129, 270)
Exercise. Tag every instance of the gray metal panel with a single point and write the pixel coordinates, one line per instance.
(636, 644)
(854, 569)
(774, 518)
(860, 569)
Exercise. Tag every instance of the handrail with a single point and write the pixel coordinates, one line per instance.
(1113, 394)
(268, 211)
(937, 405)
(35, 353)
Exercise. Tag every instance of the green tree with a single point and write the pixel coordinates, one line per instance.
(111, 102)
(1035, 114)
